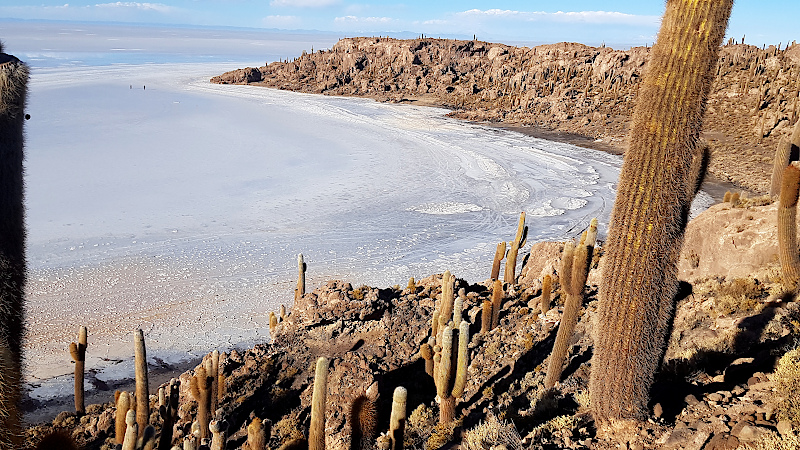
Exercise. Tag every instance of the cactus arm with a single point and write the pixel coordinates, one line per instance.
(463, 360)
(497, 300)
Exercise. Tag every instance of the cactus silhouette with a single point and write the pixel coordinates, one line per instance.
(78, 353)
(316, 431)
(787, 226)
(142, 385)
(516, 244)
(397, 420)
(649, 215)
(13, 92)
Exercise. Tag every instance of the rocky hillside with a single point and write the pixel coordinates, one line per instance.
(564, 87)
(721, 385)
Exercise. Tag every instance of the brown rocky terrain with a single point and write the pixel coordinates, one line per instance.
(567, 88)
(718, 387)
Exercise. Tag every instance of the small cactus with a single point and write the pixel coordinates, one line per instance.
(397, 420)
(316, 431)
(257, 435)
(273, 325)
(142, 385)
(123, 402)
(200, 388)
(218, 430)
(426, 351)
(78, 353)
(301, 277)
(499, 254)
(363, 419)
(547, 292)
(516, 244)
(131, 430)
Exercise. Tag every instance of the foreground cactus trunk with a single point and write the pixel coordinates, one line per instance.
(787, 227)
(13, 88)
(78, 352)
(650, 212)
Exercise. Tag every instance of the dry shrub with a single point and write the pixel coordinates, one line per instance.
(419, 427)
(787, 385)
(491, 433)
(739, 294)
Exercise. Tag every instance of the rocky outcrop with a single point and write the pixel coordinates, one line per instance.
(565, 87)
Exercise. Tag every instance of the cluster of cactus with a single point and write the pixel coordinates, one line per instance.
(651, 209)
(13, 91)
(575, 265)
(77, 351)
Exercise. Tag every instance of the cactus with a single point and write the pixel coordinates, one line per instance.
(257, 436)
(282, 312)
(450, 379)
(547, 292)
(648, 220)
(572, 283)
(499, 254)
(411, 288)
(426, 351)
(497, 300)
(148, 439)
(78, 353)
(131, 430)
(215, 382)
(397, 420)
(169, 414)
(363, 419)
(301, 277)
(787, 226)
(200, 388)
(123, 402)
(782, 156)
(273, 325)
(316, 431)
(142, 385)
(486, 317)
(13, 90)
(516, 244)
(727, 197)
(218, 429)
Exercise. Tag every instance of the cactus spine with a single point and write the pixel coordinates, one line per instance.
(301, 277)
(516, 244)
(316, 431)
(142, 385)
(200, 387)
(397, 420)
(450, 379)
(787, 226)
(78, 353)
(648, 219)
(572, 283)
(499, 254)
(13, 91)
(363, 418)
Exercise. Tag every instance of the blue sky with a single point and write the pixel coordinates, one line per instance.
(614, 22)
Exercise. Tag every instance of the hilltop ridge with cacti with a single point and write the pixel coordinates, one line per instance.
(565, 88)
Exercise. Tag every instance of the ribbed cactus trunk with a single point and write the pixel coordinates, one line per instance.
(78, 352)
(397, 420)
(649, 216)
(142, 384)
(499, 254)
(787, 226)
(301, 278)
(782, 155)
(13, 90)
(316, 431)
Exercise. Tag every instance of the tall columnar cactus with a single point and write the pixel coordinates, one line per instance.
(200, 387)
(782, 155)
(497, 302)
(649, 216)
(131, 430)
(547, 292)
(516, 244)
(499, 254)
(787, 226)
(573, 282)
(169, 414)
(13, 91)
(316, 431)
(397, 420)
(256, 436)
(142, 385)
(451, 379)
(123, 402)
(282, 312)
(215, 357)
(301, 277)
(78, 353)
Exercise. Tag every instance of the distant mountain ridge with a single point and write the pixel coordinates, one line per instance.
(564, 87)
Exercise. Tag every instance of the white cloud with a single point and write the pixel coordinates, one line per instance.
(304, 3)
(594, 17)
(356, 19)
(158, 7)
